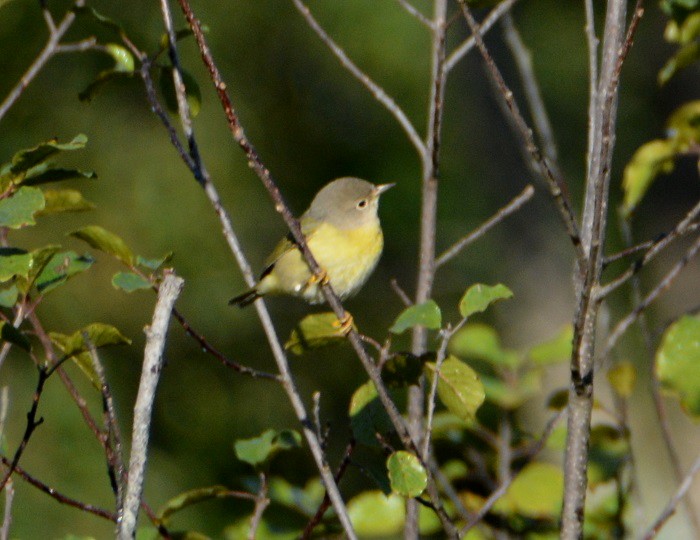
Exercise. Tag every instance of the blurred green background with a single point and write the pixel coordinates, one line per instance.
(311, 122)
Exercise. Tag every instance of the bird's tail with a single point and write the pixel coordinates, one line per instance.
(248, 297)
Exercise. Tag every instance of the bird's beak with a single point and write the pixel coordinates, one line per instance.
(378, 190)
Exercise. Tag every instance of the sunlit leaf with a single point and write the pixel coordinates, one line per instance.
(374, 514)
(406, 474)
(459, 387)
(60, 267)
(18, 210)
(14, 262)
(266, 530)
(687, 55)
(123, 59)
(64, 200)
(367, 415)
(8, 296)
(110, 243)
(26, 159)
(192, 90)
(426, 314)
(535, 493)
(258, 450)
(315, 331)
(678, 362)
(622, 378)
(649, 161)
(129, 282)
(683, 125)
(481, 342)
(555, 350)
(479, 297)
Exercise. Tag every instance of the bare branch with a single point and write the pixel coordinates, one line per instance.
(7, 513)
(415, 13)
(460, 52)
(377, 91)
(512, 207)
(150, 375)
(663, 285)
(400, 292)
(63, 499)
(261, 503)
(670, 508)
(554, 183)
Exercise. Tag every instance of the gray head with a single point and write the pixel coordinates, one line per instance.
(347, 203)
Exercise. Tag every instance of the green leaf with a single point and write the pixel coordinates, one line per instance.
(555, 350)
(678, 362)
(94, 88)
(154, 264)
(426, 314)
(685, 56)
(26, 159)
(129, 282)
(459, 387)
(47, 174)
(8, 296)
(192, 90)
(188, 498)
(535, 493)
(479, 297)
(304, 500)
(12, 335)
(609, 452)
(367, 415)
(683, 125)
(123, 59)
(59, 268)
(406, 474)
(374, 514)
(315, 331)
(14, 262)
(259, 450)
(110, 243)
(622, 378)
(403, 369)
(512, 393)
(649, 161)
(18, 210)
(64, 200)
(481, 342)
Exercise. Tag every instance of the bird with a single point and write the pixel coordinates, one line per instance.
(342, 230)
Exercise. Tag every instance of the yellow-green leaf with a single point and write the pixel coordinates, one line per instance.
(622, 378)
(459, 387)
(481, 342)
(554, 350)
(18, 210)
(374, 514)
(479, 297)
(535, 493)
(130, 282)
(426, 314)
(188, 498)
(123, 59)
(14, 262)
(315, 331)
(406, 474)
(110, 243)
(64, 200)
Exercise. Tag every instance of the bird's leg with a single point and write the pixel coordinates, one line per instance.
(345, 324)
(321, 278)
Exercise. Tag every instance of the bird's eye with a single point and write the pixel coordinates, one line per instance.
(362, 203)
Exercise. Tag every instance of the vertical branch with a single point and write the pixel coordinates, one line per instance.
(587, 278)
(150, 374)
(7, 513)
(426, 257)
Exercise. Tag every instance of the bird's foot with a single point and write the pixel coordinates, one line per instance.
(345, 324)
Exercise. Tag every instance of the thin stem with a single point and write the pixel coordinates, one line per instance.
(554, 183)
(468, 44)
(509, 209)
(670, 508)
(7, 513)
(49, 50)
(411, 10)
(150, 375)
(63, 499)
(261, 503)
(377, 91)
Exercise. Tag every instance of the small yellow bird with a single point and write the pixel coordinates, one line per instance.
(343, 232)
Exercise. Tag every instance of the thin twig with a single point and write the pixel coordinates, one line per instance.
(400, 292)
(533, 95)
(555, 184)
(49, 50)
(468, 44)
(683, 227)
(670, 508)
(58, 496)
(512, 207)
(7, 513)
(663, 285)
(411, 10)
(264, 174)
(261, 503)
(150, 375)
(111, 425)
(377, 91)
(4, 408)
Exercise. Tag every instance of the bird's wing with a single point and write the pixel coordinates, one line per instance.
(308, 228)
